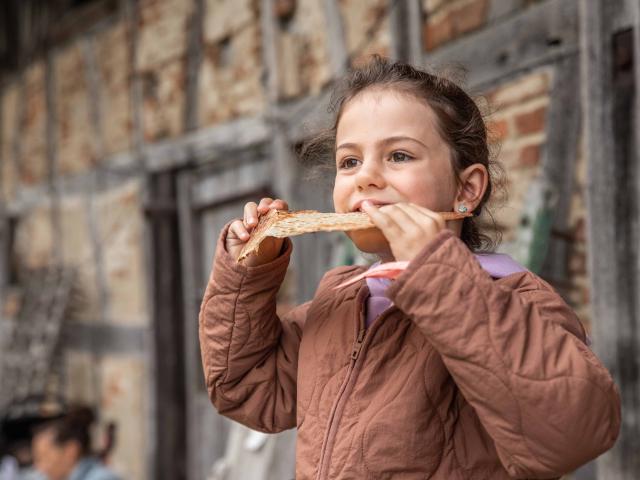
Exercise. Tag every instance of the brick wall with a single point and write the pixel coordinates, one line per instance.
(367, 28)
(517, 124)
(112, 57)
(75, 134)
(230, 75)
(231, 85)
(161, 66)
(449, 20)
(518, 127)
(302, 42)
(9, 112)
(33, 131)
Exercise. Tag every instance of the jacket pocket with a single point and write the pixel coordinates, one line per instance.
(405, 436)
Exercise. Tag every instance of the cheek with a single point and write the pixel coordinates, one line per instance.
(340, 197)
(429, 193)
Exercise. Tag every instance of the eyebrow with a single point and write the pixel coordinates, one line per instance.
(385, 141)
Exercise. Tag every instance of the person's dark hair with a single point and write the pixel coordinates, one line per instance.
(460, 124)
(75, 425)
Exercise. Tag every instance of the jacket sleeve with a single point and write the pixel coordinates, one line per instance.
(517, 353)
(249, 353)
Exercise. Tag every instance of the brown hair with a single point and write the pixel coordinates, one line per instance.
(460, 124)
(75, 426)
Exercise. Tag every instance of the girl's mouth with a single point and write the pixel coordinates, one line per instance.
(358, 205)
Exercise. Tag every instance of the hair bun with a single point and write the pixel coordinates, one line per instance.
(81, 415)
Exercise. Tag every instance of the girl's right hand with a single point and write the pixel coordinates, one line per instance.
(239, 231)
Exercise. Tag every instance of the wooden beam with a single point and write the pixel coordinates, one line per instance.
(612, 243)
(4, 220)
(132, 17)
(541, 34)
(94, 88)
(104, 339)
(52, 156)
(269, 50)
(210, 146)
(19, 120)
(194, 61)
(405, 20)
(560, 152)
(336, 42)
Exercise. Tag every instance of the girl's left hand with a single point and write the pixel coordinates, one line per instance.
(407, 227)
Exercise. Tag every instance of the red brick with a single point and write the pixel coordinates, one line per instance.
(437, 33)
(579, 231)
(585, 295)
(498, 130)
(578, 263)
(529, 156)
(469, 17)
(531, 122)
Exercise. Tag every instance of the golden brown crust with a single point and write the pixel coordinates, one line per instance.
(281, 224)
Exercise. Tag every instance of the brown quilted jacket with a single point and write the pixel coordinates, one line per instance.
(465, 377)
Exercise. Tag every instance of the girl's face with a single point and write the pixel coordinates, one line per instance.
(388, 150)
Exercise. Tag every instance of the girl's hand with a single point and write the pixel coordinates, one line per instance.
(407, 227)
(239, 231)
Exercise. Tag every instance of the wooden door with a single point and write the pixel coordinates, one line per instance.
(208, 198)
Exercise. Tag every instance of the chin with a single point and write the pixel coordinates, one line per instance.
(370, 240)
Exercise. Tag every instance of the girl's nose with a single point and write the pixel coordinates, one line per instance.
(369, 175)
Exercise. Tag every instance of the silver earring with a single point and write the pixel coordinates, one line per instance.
(462, 209)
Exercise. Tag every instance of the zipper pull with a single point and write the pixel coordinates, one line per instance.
(358, 344)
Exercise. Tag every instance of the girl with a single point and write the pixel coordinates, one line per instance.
(464, 367)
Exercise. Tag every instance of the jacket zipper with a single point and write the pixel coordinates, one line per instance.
(358, 345)
(355, 352)
(363, 333)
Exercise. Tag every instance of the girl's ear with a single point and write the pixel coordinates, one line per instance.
(473, 183)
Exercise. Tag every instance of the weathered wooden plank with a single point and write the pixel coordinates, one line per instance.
(105, 339)
(4, 220)
(92, 76)
(560, 152)
(269, 50)
(167, 354)
(405, 19)
(538, 35)
(205, 145)
(52, 157)
(132, 16)
(232, 182)
(336, 43)
(16, 141)
(622, 14)
(611, 241)
(194, 60)
(201, 416)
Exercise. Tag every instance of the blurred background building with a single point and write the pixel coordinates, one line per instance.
(131, 131)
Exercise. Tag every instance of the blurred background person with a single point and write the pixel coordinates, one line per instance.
(62, 448)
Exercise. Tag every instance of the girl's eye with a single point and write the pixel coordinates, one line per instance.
(400, 157)
(349, 163)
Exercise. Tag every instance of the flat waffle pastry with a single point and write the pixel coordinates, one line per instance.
(281, 224)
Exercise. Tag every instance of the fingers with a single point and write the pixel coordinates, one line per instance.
(250, 215)
(422, 214)
(239, 231)
(383, 220)
(404, 219)
(253, 211)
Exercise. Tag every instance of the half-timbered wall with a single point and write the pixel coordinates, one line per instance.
(136, 128)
